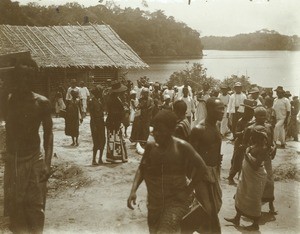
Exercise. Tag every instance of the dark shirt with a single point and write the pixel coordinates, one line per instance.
(96, 108)
(24, 117)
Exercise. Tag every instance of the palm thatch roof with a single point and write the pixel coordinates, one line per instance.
(70, 46)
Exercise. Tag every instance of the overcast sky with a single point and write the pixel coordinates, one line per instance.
(217, 17)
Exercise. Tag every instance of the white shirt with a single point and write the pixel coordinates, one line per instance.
(224, 99)
(281, 107)
(69, 96)
(235, 100)
(169, 92)
(190, 105)
(84, 92)
(180, 93)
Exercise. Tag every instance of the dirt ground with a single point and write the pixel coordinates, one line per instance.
(89, 199)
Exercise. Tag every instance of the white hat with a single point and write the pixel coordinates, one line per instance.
(132, 92)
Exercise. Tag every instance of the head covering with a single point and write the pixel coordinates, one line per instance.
(249, 103)
(117, 87)
(238, 84)
(279, 89)
(287, 93)
(167, 97)
(254, 90)
(132, 91)
(259, 129)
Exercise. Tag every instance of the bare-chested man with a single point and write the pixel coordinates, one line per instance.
(26, 170)
(163, 169)
(206, 140)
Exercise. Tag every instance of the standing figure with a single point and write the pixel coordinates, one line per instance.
(235, 110)
(116, 148)
(293, 129)
(167, 105)
(239, 149)
(224, 96)
(169, 91)
(73, 118)
(26, 169)
(190, 112)
(282, 109)
(183, 126)
(206, 140)
(141, 126)
(253, 179)
(59, 103)
(97, 125)
(84, 95)
(72, 87)
(201, 112)
(163, 169)
(133, 105)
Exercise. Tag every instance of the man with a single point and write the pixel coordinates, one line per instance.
(282, 109)
(224, 97)
(72, 87)
(234, 106)
(183, 127)
(185, 85)
(239, 149)
(84, 95)
(167, 105)
(169, 91)
(138, 89)
(293, 129)
(206, 140)
(26, 170)
(190, 112)
(254, 95)
(165, 176)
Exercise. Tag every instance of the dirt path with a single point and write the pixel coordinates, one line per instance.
(88, 199)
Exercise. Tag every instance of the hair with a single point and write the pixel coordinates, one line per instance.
(185, 89)
(210, 103)
(180, 107)
(167, 118)
(259, 109)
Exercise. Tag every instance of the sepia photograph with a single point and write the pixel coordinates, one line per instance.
(149, 116)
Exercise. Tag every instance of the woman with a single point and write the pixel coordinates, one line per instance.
(253, 179)
(73, 117)
(141, 125)
(97, 125)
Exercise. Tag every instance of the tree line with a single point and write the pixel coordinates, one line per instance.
(260, 40)
(148, 33)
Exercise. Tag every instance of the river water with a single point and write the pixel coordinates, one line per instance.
(265, 68)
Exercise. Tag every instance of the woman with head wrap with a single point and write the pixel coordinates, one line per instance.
(253, 179)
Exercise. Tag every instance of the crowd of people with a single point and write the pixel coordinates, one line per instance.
(181, 167)
(188, 128)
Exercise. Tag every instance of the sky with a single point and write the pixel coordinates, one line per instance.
(217, 17)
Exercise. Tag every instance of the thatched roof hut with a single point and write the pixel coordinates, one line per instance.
(92, 53)
(92, 46)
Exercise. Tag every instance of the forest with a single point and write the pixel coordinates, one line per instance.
(260, 40)
(148, 33)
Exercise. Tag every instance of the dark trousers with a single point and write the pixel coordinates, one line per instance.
(235, 117)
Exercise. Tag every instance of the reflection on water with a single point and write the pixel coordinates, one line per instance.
(265, 68)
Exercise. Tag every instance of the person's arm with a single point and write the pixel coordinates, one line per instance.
(288, 107)
(138, 179)
(48, 138)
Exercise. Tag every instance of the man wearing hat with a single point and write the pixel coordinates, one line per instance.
(239, 150)
(282, 109)
(235, 109)
(224, 96)
(254, 95)
(115, 112)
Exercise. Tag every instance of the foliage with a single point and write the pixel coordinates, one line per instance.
(259, 40)
(148, 33)
(196, 74)
(230, 81)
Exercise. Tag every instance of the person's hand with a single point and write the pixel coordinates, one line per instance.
(131, 200)
(45, 173)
